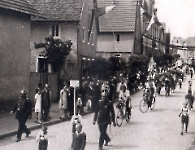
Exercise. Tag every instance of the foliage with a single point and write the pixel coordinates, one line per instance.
(165, 60)
(99, 67)
(138, 63)
(117, 64)
(55, 50)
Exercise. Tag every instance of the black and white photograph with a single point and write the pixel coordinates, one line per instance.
(97, 74)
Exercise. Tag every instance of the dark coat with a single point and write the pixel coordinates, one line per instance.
(23, 108)
(46, 102)
(103, 111)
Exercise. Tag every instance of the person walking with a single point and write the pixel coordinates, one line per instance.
(42, 138)
(102, 115)
(23, 109)
(79, 138)
(63, 103)
(37, 101)
(46, 102)
(184, 114)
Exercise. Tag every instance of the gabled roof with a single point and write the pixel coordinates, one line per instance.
(59, 10)
(22, 6)
(120, 19)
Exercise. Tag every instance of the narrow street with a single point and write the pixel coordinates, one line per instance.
(157, 129)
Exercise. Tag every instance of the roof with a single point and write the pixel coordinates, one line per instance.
(120, 19)
(59, 10)
(190, 41)
(22, 6)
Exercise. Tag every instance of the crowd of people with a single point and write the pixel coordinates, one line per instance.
(102, 94)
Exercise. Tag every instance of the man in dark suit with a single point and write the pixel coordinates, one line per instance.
(23, 110)
(103, 110)
(46, 102)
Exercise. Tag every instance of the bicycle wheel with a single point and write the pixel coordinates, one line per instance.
(153, 103)
(119, 118)
(128, 116)
(143, 106)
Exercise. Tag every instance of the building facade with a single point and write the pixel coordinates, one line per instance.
(66, 20)
(124, 30)
(15, 23)
(116, 29)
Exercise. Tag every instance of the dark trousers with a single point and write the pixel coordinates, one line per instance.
(43, 144)
(45, 113)
(103, 135)
(22, 128)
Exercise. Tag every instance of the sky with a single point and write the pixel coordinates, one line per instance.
(179, 16)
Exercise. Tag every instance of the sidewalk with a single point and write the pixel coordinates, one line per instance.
(9, 125)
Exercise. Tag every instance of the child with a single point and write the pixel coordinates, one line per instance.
(76, 119)
(184, 117)
(79, 138)
(37, 101)
(79, 105)
(42, 138)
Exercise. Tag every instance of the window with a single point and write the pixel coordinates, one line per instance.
(84, 36)
(92, 39)
(55, 30)
(117, 37)
(42, 64)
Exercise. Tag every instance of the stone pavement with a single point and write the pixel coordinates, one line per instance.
(9, 125)
(155, 130)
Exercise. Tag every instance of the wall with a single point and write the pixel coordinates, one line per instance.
(40, 30)
(107, 42)
(14, 53)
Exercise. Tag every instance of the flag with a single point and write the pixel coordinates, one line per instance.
(103, 10)
(151, 22)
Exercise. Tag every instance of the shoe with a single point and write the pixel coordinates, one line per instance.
(100, 148)
(28, 134)
(181, 133)
(106, 143)
(39, 122)
(18, 140)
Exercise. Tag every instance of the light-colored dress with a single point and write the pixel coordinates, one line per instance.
(63, 99)
(38, 102)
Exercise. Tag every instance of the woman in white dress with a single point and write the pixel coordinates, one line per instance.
(63, 103)
(38, 107)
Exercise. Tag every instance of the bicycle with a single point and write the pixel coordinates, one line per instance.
(144, 104)
(122, 114)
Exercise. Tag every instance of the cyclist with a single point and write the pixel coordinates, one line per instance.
(150, 91)
(124, 97)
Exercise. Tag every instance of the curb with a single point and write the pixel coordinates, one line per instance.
(38, 126)
(48, 123)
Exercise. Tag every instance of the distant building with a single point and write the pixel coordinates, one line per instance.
(180, 42)
(123, 31)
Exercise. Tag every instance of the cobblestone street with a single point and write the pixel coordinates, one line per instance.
(157, 129)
